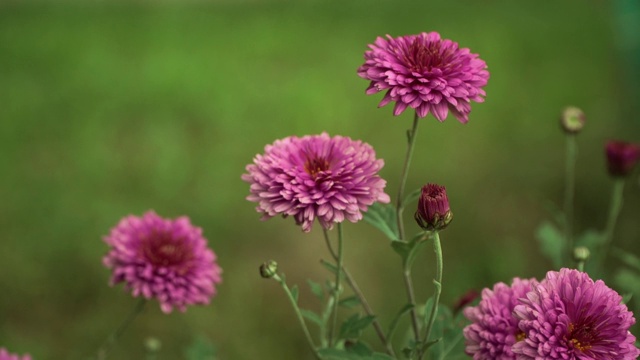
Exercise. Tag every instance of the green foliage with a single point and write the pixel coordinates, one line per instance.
(312, 316)
(316, 289)
(383, 217)
(447, 330)
(350, 302)
(552, 243)
(353, 351)
(353, 326)
(201, 349)
(394, 323)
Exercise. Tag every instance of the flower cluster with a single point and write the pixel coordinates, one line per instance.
(565, 316)
(426, 73)
(164, 259)
(316, 176)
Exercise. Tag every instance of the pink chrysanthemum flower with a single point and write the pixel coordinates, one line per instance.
(5, 355)
(164, 259)
(569, 316)
(494, 329)
(316, 176)
(426, 73)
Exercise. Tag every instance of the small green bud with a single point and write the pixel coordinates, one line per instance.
(581, 254)
(152, 344)
(268, 269)
(572, 120)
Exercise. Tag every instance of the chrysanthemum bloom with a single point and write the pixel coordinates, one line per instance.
(622, 157)
(316, 176)
(494, 329)
(164, 259)
(426, 73)
(569, 316)
(433, 208)
(5, 355)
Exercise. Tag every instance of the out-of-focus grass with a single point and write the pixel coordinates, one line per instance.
(109, 110)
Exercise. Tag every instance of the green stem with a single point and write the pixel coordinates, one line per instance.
(336, 292)
(614, 211)
(569, 191)
(408, 283)
(437, 282)
(580, 266)
(103, 351)
(405, 172)
(363, 300)
(298, 314)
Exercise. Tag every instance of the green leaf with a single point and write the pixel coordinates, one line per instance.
(626, 298)
(448, 330)
(349, 302)
(359, 353)
(383, 217)
(337, 354)
(360, 348)
(552, 242)
(311, 316)
(201, 348)
(294, 293)
(316, 289)
(413, 196)
(353, 326)
(332, 268)
(401, 248)
(394, 323)
(415, 250)
(628, 281)
(627, 258)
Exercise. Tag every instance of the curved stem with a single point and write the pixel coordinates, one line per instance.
(437, 282)
(405, 172)
(614, 211)
(363, 300)
(569, 191)
(336, 292)
(103, 351)
(298, 314)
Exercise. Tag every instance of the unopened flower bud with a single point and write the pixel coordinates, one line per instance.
(621, 157)
(572, 120)
(268, 269)
(433, 208)
(152, 344)
(581, 254)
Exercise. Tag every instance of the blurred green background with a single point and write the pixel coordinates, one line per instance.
(109, 109)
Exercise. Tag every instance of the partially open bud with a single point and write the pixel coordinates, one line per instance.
(572, 120)
(268, 269)
(581, 254)
(433, 208)
(621, 157)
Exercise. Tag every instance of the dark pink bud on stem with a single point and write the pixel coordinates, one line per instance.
(622, 157)
(433, 208)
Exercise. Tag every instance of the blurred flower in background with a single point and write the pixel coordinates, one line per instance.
(5, 355)
(164, 259)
